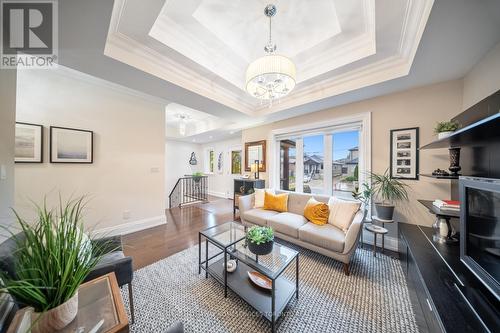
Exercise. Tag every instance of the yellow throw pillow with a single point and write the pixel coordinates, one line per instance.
(278, 202)
(316, 212)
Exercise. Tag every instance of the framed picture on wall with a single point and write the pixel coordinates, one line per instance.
(404, 153)
(236, 162)
(28, 143)
(71, 145)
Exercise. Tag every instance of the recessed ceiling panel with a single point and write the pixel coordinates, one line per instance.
(241, 24)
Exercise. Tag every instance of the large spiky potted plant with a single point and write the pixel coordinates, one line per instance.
(52, 258)
(390, 191)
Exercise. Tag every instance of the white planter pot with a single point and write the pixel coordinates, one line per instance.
(443, 135)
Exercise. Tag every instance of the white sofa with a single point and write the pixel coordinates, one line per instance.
(292, 226)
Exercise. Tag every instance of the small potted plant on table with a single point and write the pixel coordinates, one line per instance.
(260, 240)
(390, 191)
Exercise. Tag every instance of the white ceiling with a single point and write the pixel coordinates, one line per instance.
(455, 36)
(206, 45)
(198, 124)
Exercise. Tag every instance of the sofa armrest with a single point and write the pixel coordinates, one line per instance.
(245, 203)
(352, 234)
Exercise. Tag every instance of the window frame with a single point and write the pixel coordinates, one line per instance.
(361, 121)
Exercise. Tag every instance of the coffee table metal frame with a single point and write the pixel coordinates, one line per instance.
(245, 263)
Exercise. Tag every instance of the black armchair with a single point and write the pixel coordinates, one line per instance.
(114, 260)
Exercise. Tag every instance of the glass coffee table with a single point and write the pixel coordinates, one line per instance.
(230, 239)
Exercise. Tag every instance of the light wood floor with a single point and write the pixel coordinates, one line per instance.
(181, 231)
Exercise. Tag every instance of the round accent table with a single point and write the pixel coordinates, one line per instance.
(379, 220)
(376, 230)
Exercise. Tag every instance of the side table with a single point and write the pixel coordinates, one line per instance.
(378, 219)
(376, 230)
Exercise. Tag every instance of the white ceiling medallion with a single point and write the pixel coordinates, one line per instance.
(272, 76)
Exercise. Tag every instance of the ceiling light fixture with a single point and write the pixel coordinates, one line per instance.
(272, 76)
(183, 118)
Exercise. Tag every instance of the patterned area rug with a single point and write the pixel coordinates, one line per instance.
(374, 298)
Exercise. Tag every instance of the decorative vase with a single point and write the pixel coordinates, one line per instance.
(57, 318)
(384, 212)
(260, 249)
(442, 135)
(454, 161)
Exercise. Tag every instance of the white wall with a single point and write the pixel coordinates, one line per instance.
(221, 184)
(7, 123)
(177, 155)
(129, 153)
(483, 79)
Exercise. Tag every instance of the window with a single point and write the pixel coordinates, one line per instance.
(345, 168)
(326, 159)
(313, 179)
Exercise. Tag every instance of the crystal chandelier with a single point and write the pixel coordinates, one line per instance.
(272, 76)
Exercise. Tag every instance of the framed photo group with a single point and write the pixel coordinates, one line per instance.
(404, 153)
(67, 145)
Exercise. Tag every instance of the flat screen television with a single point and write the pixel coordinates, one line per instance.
(480, 229)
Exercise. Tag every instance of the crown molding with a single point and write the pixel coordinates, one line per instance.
(360, 49)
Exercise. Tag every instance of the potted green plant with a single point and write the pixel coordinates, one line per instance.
(364, 195)
(52, 258)
(197, 176)
(445, 128)
(389, 190)
(260, 240)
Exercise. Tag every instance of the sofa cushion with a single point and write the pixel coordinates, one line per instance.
(258, 215)
(342, 213)
(326, 236)
(278, 202)
(316, 212)
(297, 201)
(287, 223)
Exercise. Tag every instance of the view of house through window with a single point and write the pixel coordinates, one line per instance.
(345, 153)
(342, 161)
(313, 164)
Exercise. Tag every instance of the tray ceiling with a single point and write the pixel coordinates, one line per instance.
(206, 45)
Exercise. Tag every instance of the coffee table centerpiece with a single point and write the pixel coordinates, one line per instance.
(260, 240)
(231, 239)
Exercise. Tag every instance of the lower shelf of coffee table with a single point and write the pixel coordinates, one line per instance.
(258, 298)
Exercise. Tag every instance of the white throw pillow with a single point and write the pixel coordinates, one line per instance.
(259, 196)
(342, 212)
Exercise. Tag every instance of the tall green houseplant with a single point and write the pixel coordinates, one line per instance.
(390, 191)
(52, 258)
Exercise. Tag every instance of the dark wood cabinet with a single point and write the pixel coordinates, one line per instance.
(244, 187)
(438, 283)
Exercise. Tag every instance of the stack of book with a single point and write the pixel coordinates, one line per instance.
(447, 205)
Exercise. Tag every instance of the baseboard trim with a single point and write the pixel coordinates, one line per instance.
(390, 243)
(130, 227)
(218, 194)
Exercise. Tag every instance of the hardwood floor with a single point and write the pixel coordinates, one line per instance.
(180, 232)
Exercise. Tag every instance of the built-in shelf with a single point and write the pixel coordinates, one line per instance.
(438, 177)
(483, 130)
(439, 212)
